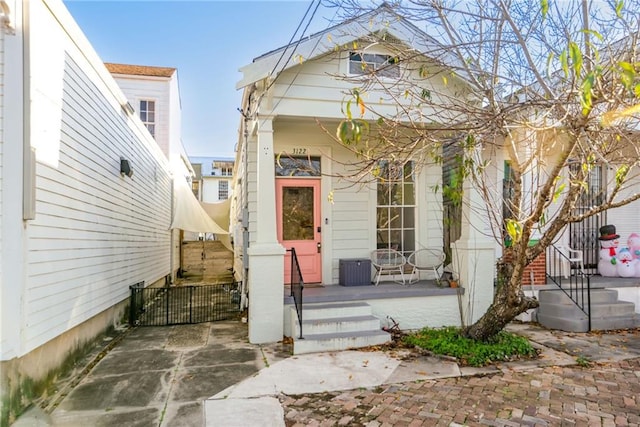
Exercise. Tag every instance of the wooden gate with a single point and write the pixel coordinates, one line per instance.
(207, 261)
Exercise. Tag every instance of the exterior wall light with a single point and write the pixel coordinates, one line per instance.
(125, 167)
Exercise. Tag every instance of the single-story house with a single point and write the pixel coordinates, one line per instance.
(292, 190)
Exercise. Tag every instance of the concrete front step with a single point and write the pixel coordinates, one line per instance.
(597, 296)
(557, 311)
(615, 322)
(335, 327)
(617, 308)
(337, 324)
(331, 310)
(313, 343)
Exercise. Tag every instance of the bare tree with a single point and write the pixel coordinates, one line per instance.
(550, 87)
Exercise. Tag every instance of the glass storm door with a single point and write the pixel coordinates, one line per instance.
(298, 211)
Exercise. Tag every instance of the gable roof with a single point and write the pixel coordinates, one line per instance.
(140, 70)
(382, 20)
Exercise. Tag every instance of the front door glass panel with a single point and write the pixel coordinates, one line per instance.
(297, 215)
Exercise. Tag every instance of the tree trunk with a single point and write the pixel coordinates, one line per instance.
(508, 302)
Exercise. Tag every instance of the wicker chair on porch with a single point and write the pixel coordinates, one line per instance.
(425, 260)
(388, 261)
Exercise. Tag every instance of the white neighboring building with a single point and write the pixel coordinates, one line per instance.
(213, 180)
(75, 231)
(154, 95)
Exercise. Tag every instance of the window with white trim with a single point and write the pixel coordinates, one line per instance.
(368, 63)
(223, 190)
(396, 206)
(148, 115)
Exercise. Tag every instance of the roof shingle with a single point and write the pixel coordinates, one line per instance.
(140, 70)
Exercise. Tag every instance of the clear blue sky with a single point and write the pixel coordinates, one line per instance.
(207, 41)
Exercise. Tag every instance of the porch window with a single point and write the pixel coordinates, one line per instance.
(297, 166)
(367, 63)
(395, 212)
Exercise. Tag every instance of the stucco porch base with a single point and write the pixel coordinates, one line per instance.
(413, 306)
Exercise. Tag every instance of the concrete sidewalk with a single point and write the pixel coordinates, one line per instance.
(208, 374)
(156, 376)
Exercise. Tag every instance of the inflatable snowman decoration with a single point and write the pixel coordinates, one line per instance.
(626, 263)
(633, 243)
(607, 265)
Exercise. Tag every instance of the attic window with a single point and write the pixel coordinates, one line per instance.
(366, 63)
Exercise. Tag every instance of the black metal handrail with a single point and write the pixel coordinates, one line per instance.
(576, 285)
(297, 285)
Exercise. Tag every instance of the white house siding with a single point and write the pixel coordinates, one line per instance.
(211, 188)
(625, 218)
(95, 232)
(310, 89)
(2, 106)
(349, 231)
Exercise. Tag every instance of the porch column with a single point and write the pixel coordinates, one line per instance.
(266, 255)
(474, 256)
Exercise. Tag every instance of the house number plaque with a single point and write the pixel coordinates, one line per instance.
(299, 151)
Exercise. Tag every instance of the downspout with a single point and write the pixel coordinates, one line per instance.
(245, 200)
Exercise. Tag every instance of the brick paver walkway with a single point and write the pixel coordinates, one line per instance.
(600, 395)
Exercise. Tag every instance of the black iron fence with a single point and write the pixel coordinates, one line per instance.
(297, 285)
(572, 281)
(177, 305)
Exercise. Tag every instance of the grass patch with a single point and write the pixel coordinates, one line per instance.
(449, 342)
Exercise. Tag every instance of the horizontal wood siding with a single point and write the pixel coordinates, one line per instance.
(625, 218)
(353, 218)
(96, 232)
(2, 85)
(317, 89)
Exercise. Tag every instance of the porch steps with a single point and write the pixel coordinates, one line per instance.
(335, 327)
(557, 311)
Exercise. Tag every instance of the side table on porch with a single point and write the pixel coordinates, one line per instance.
(355, 272)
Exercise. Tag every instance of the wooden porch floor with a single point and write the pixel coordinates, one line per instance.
(385, 290)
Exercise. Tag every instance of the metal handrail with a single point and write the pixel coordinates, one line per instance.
(297, 286)
(577, 286)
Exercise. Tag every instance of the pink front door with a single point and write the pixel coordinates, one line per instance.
(298, 217)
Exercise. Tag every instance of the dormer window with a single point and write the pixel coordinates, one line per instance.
(368, 63)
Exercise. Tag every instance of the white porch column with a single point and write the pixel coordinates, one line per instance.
(474, 256)
(266, 255)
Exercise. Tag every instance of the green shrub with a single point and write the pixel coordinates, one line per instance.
(448, 341)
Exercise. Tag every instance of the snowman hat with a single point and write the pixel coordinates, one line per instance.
(608, 232)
